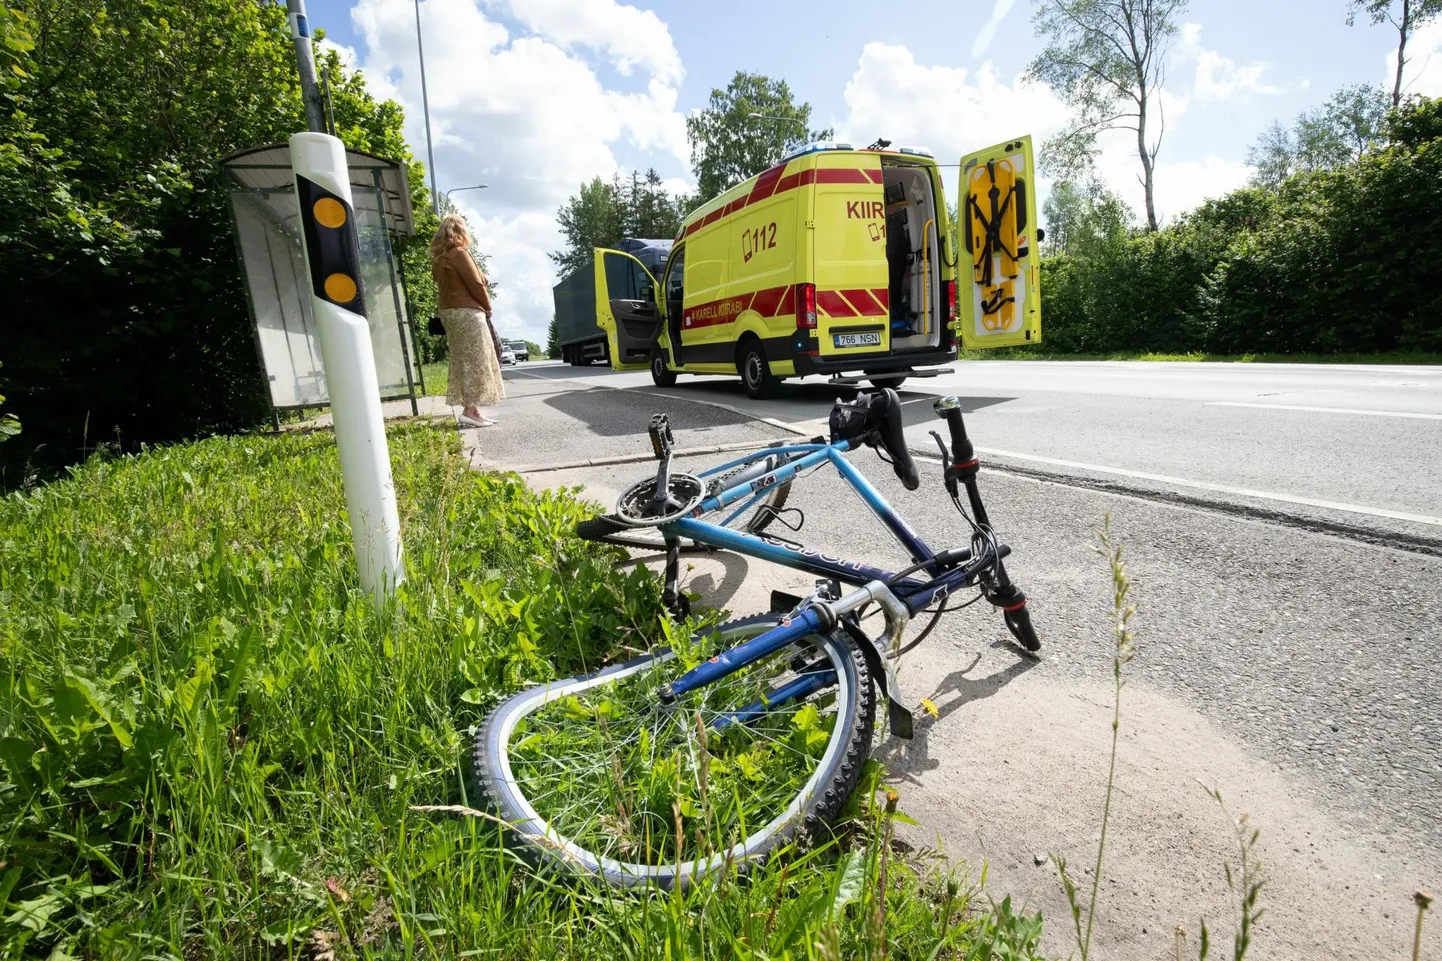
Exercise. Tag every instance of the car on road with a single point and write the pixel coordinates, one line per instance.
(508, 356)
(519, 348)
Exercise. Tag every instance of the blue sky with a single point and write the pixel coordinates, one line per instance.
(534, 96)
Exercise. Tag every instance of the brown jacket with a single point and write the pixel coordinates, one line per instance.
(459, 283)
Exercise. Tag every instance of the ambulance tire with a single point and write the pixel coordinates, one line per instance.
(881, 383)
(661, 375)
(756, 376)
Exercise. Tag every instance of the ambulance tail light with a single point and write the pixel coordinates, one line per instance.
(805, 306)
(949, 292)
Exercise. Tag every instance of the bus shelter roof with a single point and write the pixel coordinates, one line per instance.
(268, 168)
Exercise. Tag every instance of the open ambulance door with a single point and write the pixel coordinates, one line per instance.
(627, 308)
(999, 271)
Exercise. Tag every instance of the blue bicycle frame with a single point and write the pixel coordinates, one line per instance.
(915, 594)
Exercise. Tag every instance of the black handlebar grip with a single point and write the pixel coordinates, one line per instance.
(963, 455)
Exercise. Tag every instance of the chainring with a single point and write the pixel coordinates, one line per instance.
(637, 506)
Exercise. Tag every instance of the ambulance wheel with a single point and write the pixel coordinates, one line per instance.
(881, 383)
(661, 375)
(755, 372)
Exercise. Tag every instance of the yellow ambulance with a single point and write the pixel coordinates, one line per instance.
(837, 261)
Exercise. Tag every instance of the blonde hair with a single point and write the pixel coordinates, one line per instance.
(452, 234)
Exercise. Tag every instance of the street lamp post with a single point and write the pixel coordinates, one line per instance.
(426, 109)
(454, 189)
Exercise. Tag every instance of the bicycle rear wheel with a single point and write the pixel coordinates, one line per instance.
(594, 775)
(752, 518)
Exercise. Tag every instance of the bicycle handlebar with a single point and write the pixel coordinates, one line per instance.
(963, 455)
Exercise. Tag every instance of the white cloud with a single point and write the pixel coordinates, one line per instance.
(630, 36)
(526, 113)
(987, 33)
(1217, 78)
(953, 110)
(1423, 72)
(348, 57)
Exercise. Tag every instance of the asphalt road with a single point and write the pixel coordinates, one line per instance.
(1350, 448)
(1287, 559)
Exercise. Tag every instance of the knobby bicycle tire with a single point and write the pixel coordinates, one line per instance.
(818, 803)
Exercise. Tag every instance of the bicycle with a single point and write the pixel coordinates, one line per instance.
(723, 747)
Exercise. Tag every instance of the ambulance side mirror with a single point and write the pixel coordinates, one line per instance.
(648, 292)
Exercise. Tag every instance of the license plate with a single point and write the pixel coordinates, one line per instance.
(869, 339)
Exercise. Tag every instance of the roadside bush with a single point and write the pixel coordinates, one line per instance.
(1142, 294)
(125, 316)
(1350, 264)
(1329, 262)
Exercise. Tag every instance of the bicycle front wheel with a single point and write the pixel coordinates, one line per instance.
(594, 774)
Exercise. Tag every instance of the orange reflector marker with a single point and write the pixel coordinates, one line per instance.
(329, 213)
(340, 287)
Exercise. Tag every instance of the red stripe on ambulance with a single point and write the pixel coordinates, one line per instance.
(833, 303)
(863, 302)
(767, 301)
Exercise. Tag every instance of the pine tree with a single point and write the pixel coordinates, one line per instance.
(553, 340)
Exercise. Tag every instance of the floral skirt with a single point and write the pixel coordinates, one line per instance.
(475, 370)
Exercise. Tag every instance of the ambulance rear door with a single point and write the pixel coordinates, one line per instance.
(852, 319)
(627, 307)
(998, 276)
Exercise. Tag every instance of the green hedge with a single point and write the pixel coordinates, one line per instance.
(1339, 261)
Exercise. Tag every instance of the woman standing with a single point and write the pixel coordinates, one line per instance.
(464, 306)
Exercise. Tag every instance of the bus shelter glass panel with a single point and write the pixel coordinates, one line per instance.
(268, 231)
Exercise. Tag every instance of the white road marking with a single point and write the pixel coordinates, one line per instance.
(1327, 410)
(1222, 488)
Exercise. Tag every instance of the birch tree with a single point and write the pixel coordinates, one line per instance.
(1106, 59)
(1405, 17)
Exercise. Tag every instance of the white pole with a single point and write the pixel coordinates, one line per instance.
(332, 253)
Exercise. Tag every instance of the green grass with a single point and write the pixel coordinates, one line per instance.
(210, 744)
(437, 375)
(1035, 353)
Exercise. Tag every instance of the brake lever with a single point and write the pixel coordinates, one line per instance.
(946, 473)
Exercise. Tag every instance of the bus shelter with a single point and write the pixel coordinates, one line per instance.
(266, 221)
